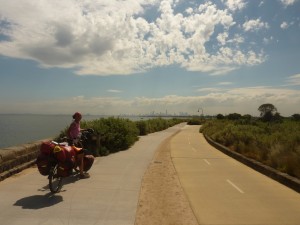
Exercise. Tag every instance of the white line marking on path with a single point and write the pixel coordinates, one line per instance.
(236, 187)
(189, 140)
(205, 160)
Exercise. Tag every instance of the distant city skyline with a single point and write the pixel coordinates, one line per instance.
(139, 56)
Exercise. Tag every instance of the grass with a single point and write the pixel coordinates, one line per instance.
(274, 144)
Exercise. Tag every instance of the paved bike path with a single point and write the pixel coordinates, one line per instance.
(223, 191)
(109, 197)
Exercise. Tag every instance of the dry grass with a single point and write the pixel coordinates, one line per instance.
(274, 144)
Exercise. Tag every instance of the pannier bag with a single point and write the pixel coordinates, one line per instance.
(45, 158)
(64, 169)
(88, 161)
(59, 153)
(47, 147)
(52, 153)
(66, 166)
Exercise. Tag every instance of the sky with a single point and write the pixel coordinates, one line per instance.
(114, 57)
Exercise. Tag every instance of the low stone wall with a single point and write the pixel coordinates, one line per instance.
(283, 178)
(15, 159)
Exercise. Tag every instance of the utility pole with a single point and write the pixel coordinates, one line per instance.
(201, 115)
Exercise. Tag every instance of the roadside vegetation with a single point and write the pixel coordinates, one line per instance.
(118, 134)
(270, 139)
(153, 125)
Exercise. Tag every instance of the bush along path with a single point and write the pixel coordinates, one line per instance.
(274, 144)
(118, 134)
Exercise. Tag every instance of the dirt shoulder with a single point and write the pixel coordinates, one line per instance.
(162, 200)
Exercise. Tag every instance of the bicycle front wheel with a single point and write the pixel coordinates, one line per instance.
(55, 182)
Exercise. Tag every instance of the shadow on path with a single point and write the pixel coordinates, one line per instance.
(47, 200)
(39, 201)
(66, 180)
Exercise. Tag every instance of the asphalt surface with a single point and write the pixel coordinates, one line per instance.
(108, 197)
(221, 191)
(225, 192)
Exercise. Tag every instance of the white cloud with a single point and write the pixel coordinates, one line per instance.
(114, 91)
(294, 80)
(225, 83)
(234, 4)
(268, 40)
(213, 101)
(189, 10)
(237, 39)
(261, 3)
(255, 25)
(208, 90)
(287, 2)
(113, 37)
(284, 25)
(222, 38)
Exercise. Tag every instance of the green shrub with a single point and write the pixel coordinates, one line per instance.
(117, 134)
(143, 127)
(158, 124)
(103, 151)
(275, 144)
(195, 121)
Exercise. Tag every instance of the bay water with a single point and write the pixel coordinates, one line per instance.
(17, 129)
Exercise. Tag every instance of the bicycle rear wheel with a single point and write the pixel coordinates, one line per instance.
(55, 182)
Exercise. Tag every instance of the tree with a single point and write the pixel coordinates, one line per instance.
(296, 117)
(220, 116)
(267, 111)
(277, 117)
(234, 116)
(247, 117)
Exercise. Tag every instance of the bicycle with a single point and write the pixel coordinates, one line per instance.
(55, 181)
(56, 178)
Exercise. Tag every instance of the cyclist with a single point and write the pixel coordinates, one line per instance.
(74, 134)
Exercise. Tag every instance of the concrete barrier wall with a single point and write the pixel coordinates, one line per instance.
(15, 159)
(283, 178)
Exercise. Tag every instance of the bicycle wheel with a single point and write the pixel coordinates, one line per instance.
(55, 182)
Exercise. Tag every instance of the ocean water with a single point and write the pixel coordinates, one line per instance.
(25, 128)
(18, 129)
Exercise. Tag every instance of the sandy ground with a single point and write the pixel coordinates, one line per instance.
(162, 200)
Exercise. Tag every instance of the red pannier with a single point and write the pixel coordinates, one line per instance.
(64, 153)
(43, 164)
(69, 152)
(66, 157)
(45, 158)
(70, 156)
(64, 169)
(47, 147)
(88, 161)
(59, 153)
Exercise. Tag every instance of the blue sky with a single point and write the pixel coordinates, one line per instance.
(141, 56)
